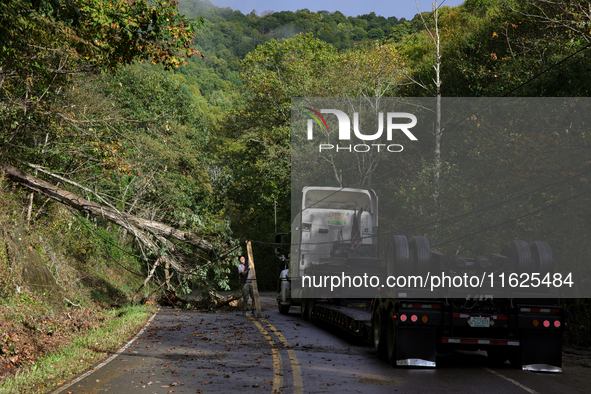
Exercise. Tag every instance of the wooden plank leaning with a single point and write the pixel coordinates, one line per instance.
(253, 276)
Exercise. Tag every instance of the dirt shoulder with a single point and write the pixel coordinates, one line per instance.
(49, 350)
(576, 356)
(26, 336)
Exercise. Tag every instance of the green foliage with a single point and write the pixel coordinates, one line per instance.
(332, 27)
(51, 118)
(149, 96)
(490, 48)
(36, 35)
(168, 154)
(252, 148)
(252, 154)
(257, 147)
(215, 274)
(228, 36)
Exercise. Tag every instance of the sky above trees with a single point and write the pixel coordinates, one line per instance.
(386, 8)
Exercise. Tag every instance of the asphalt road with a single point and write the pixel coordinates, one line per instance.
(193, 352)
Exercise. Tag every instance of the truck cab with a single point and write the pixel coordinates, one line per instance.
(334, 226)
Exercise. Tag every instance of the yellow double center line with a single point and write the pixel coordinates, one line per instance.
(295, 364)
(277, 361)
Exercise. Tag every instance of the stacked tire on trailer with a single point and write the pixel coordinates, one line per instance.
(402, 345)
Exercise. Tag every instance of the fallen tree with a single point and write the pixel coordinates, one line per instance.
(213, 301)
(151, 234)
(122, 219)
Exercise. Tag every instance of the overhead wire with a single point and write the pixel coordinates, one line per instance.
(514, 219)
(456, 217)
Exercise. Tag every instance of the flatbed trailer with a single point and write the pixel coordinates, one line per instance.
(354, 321)
(411, 332)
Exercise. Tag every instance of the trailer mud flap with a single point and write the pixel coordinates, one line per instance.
(541, 352)
(415, 347)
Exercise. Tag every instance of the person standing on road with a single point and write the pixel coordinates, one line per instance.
(246, 284)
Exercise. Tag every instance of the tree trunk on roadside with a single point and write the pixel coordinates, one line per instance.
(129, 222)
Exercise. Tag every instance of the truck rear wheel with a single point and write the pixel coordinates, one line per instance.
(378, 332)
(521, 256)
(391, 338)
(306, 308)
(397, 259)
(541, 255)
(420, 255)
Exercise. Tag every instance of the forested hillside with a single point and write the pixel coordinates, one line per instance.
(228, 35)
(176, 121)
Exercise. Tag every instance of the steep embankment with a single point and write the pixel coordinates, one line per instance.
(65, 286)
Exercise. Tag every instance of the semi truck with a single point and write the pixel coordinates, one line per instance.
(337, 230)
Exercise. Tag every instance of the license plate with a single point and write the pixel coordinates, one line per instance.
(479, 321)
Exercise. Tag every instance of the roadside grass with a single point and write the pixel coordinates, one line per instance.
(84, 350)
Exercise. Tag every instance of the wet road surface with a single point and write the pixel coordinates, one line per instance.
(194, 352)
